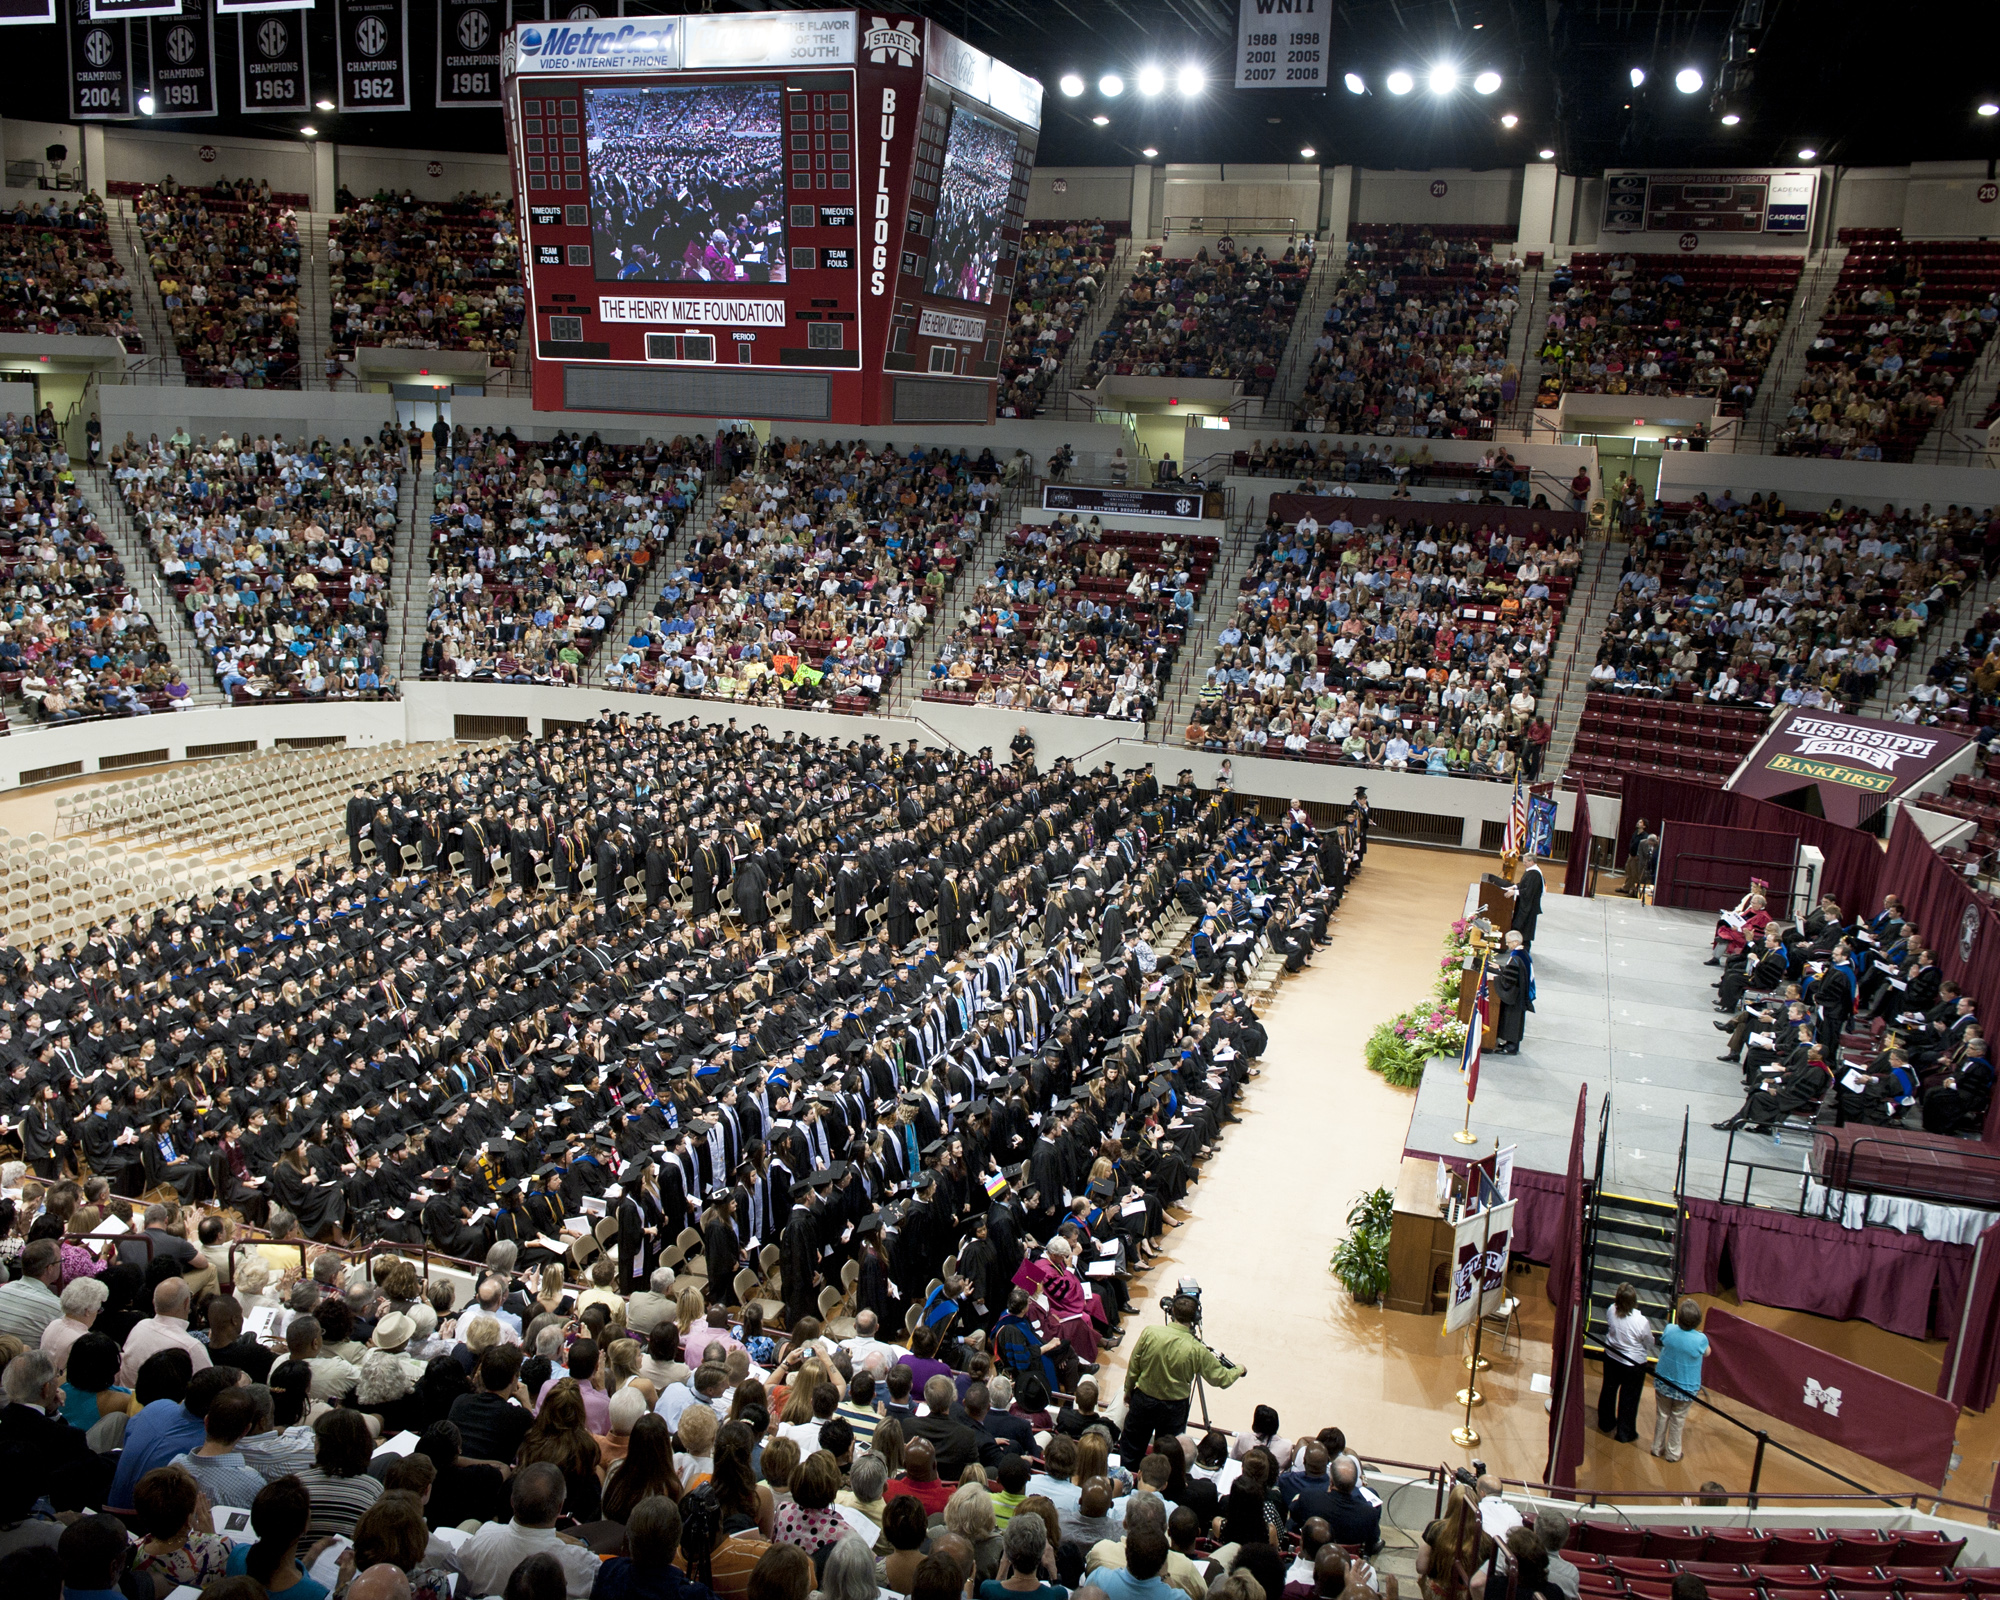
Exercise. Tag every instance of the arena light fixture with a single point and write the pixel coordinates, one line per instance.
(1989, 108)
(1149, 153)
(1509, 120)
(310, 131)
(1730, 119)
(1400, 82)
(1307, 153)
(1486, 83)
(1356, 84)
(1190, 80)
(1688, 80)
(147, 104)
(1071, 84)
(1101, 120)
(1807, 153)
(1546, 155)
(1111, 86)
(1442, 78)
(1151, 80)
(322, 105)
(1638, 77)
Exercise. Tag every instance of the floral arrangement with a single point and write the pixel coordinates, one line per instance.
(1400, 1047)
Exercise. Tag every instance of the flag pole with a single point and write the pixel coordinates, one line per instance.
(1477, 1021)
(1465, 1435)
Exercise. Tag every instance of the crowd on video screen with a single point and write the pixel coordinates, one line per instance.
(971, 208)
(687, 184)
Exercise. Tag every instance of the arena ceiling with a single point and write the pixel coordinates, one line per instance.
(1857, 85)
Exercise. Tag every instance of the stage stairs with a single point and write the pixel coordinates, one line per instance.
(1630, 1239)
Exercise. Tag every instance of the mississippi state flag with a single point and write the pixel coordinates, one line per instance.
(1475, 1028)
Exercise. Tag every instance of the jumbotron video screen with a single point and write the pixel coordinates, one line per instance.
(687, 182)
(972, 207)
(806, 216)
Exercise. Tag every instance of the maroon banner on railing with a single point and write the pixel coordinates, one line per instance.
(1858, 1409)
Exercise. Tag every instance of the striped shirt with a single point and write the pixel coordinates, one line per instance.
(337, 1503)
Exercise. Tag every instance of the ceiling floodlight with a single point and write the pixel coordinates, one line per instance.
(1443, 78)
(1111, 86)
(1356, 84)
(1638, 77)
(1101, 120)
(1400, 82)
(1688, 81)
(1486, 83)
(1071, 84)
(1151, 80)
(1509, 120)
(1190, 80)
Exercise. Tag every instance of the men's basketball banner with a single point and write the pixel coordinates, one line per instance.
(470, 34)
(373, 42)
(1479, 1251)
(100, 66)
(1854, 763)
(1902, 1427)
(272, 69)
(183, 63)
(19, 13)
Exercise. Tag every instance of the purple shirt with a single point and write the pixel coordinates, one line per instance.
(922, 1370)
(596, 1403)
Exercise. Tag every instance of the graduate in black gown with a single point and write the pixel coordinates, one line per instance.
(320, 1208)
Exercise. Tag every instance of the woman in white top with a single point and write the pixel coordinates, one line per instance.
(1628, 1346)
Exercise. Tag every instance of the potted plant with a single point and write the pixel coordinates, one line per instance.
(1362, 1259)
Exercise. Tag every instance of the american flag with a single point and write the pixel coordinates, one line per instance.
(1475, 1028)
(1517, 820)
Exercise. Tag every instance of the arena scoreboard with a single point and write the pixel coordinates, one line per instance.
(805, 216)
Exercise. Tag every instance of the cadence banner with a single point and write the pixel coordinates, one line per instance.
(470, 33)
(1480, 1246)
(271, 50)
(1855, 763)
(1124, 502)
(100, 65)
(183, 60)
(1848, 1405)
(373, 37)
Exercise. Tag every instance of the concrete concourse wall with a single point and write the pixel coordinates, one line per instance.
(429, 711)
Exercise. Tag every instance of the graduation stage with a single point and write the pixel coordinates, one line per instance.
(1623, 1006)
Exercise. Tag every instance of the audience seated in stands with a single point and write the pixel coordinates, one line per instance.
(1076, 620)
(1904, 324)
(226, 261)
(536, 548)
(1057, 280)
(1418, 646)
(425, 275)
(59, 274)
(1220, 315)
(819, 568)
(1626, 324)
(1756, 603)
(74, 641)
(278, 550)
(1414, 342)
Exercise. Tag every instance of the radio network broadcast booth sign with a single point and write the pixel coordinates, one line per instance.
(1122, 502)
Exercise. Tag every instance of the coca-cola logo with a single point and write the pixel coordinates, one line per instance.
(434, 168)
(1690, 241)
(208, 152)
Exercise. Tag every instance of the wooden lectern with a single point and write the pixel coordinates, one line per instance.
(1420, 1241)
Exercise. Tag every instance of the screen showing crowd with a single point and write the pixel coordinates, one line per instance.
(687, 183)
(971, 208)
